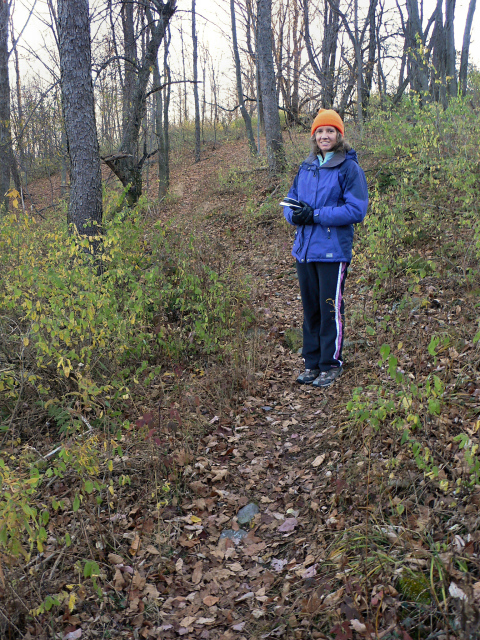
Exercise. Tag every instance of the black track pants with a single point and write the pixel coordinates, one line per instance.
(321, 287)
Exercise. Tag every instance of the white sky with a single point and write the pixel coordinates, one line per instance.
(213, 26)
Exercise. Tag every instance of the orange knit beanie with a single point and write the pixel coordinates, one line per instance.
(328, 117)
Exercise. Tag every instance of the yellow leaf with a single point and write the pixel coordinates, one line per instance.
(26, 341)
(71, 602)
(110, 465)
(195, 519)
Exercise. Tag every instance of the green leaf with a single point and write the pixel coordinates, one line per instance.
(76, 503)
(91, 569)
(385, 351)
(432, 347)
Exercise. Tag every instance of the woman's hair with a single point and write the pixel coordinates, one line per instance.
(341, 144)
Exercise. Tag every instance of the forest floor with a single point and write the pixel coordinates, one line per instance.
(350, 538)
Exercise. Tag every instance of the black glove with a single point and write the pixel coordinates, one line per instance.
(304, 215)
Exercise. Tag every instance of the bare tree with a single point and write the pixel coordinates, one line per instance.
(126, 163)
(7, 159)
(415, 43)
(273, 132)
(130, 56)
(162, 101)
(85, 206)
(195, 85)
(238, 71)
(450, 54)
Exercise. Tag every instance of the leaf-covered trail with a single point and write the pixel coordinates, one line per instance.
(277, 449)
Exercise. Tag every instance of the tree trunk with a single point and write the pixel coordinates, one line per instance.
(159, 133)
(130, 52)
(329, 53)
(241, 101)
(85, 206)
(438, 81)
(359, 63)
(125, 162)
(5, 135)
(195, 86)
(166, 106)
(452, 86)
(370, 66)
(462, 76)
(273, 133)
(417, 67)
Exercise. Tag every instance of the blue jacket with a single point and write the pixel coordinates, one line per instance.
(337, 192)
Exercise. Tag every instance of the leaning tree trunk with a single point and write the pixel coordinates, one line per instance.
(241, 101)
(85, 206)
(462, 76)
(273, 132)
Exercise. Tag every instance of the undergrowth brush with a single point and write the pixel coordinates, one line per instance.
(416, 410)
(83, 340)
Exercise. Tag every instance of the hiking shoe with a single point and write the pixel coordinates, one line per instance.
(308, 376)
(326, 378)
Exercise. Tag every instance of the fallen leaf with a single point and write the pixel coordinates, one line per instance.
(197, 572)
(288, 525)
(278, 564)
(151, 592)
(153, 550)
(310, 572)
(258, 613)
(187, 621)
(358, 626)
(195, 519)
(205, 621)
(456, 592)
(221, 473)
(209, 601)
(476, 591)
(318, 460)
(73, 635)
(179, 565)
(118, 580)
(239, 626)
(134, 546)
(113, 558)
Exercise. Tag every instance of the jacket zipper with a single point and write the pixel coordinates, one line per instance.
(328, 232)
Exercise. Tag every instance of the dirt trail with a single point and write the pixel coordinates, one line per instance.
(274, 451)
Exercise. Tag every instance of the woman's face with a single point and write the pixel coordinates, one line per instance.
(326, 138)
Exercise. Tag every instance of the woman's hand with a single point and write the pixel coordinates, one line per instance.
(304, 215)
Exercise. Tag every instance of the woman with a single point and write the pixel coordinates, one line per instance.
(332, 190)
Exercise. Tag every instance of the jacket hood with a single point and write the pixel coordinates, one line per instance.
(338, 158)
